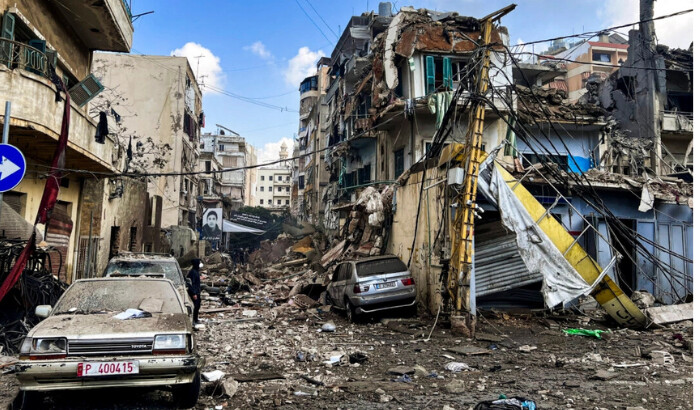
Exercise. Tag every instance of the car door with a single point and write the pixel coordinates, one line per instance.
(333, 288)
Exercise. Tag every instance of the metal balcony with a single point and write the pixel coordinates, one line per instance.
(14, 54)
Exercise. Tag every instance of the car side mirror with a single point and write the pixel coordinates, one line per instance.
(42, 311)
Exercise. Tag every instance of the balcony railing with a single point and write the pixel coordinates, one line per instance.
(14, 54)
(128, 8)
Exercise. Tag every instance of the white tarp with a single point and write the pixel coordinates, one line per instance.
(238, 228)
(561, 283)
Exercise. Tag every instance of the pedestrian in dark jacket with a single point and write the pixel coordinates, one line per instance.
(194, 288)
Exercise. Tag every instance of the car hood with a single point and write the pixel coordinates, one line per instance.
(104, 326)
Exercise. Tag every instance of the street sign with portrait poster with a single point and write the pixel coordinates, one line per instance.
(211, 224)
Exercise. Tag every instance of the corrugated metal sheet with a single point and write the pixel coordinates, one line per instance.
(499, 267)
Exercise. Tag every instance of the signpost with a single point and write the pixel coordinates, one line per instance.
(12, 162)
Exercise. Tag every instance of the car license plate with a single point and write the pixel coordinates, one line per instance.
(385, 285)
(90, 369)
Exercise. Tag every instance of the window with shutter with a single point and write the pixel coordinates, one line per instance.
(8, 32)
(429, 74)
(85, 90)
(447, 72)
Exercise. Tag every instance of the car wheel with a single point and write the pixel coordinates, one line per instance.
(350, 312)
(186, 395)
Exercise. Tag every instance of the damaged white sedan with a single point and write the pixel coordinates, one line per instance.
(112, 332)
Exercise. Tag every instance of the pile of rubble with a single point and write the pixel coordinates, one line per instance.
(537, 104)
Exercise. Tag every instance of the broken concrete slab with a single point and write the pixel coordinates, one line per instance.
(256, 377)
(662, 315)
(469, 350)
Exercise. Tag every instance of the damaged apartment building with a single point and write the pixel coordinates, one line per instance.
(627, 141)
(226, 149)
(154, 104)
(40, 43)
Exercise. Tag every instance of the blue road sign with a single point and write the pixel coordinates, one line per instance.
(12, 167)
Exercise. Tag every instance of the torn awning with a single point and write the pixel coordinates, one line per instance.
(561, 283)
(238, 228)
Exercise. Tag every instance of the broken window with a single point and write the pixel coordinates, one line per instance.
(279, 189)
(279, 202)
(269, 201)
(262, 177)
(561, 161)
(286, 201)
(602, 57)
(132, 238)
(398, 163)
(627, 85)
(269, 189)
(262, 188)
(262, 202)
(269, 178)
(207, 166)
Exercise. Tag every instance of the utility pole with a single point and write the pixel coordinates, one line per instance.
(460, 272)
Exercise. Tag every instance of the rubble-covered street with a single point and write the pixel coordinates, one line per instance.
(275, 354)
(278, 356)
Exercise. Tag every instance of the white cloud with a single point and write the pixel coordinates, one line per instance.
(271, 150)
(675, 32)
(206, 67)
(302, 65)
(259, 49)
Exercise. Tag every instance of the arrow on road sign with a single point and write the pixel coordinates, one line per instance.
(7, 168)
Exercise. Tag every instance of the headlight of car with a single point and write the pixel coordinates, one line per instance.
(170, 344)
(49, 345)
(43, 348)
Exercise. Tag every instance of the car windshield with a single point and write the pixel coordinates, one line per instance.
(118, 295)
(380, 267)
(145, 267)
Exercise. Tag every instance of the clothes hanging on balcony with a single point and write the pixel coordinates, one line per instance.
(102, 128)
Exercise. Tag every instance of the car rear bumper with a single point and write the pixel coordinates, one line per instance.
(62, 374)
(378, 307)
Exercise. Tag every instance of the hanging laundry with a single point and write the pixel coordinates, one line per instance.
(438, 103)
(117, 117)
(102, 128)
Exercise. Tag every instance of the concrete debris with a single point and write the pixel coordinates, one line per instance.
(662, 315)
(539, 104)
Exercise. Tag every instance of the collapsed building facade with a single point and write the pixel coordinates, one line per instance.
(392, 79)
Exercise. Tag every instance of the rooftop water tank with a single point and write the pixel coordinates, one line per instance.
(385, 9)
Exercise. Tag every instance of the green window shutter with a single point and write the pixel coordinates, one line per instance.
(8, 26)
(8, 32)
(429, 74)
(447, 72)
(85, 90)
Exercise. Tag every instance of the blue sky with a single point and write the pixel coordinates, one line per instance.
(259, 49)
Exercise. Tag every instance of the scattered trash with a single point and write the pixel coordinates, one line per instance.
(403, 379)
(305, 357)
(420, 371)
(131, 314)
(457, 367)
(385, 398)
(455, 387)
(358, 357)
(504, 403)
(527, 348)
(661, 357)
(250, 313)
(597, 333)
(401, 370)
(213, 375)
(603, 375)
(328, 327)
(229, 387)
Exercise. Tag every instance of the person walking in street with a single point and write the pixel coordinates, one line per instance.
(194, 288)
